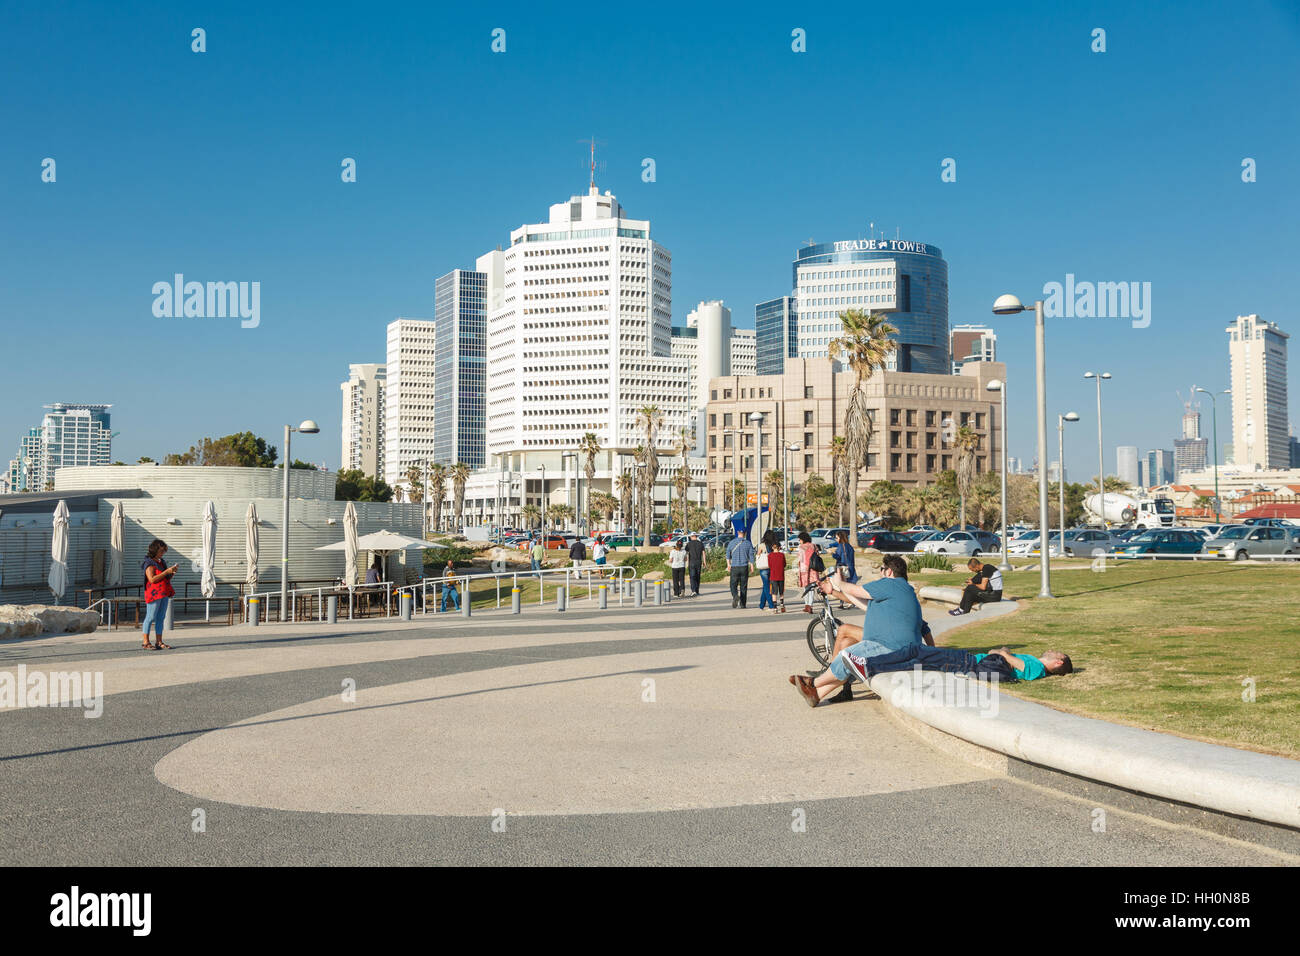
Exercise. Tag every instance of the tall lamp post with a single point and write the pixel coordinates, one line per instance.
(757, 419)
(1214, 406)
(577, 489)
(785, 474)
(735, 434)
(1101, 454)
(1060, 475)
(1010, 305)
(645, 534)
(308, 427)
(999, 386)
(543, 507)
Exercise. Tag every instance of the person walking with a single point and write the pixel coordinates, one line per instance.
(740, 555)
(807, 550)
(776, 576)
(536, 553)
(677, 561)
(845, 563)
(449, 587)
(158, 593)
(764, 570)
(695, 561)
(578, 553)
(598, 552)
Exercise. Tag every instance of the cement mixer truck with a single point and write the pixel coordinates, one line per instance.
(1126, 511)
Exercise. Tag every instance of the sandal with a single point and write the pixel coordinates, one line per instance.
(146, 646)
(163, 647)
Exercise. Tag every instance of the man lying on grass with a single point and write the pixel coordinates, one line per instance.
(999, 664)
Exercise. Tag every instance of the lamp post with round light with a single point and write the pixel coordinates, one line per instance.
(1010, 305)
(308, 427)
(1214, 406)
(756, 419)
(1060, 475)
(999, 386)
(785, 474)
(1101, 454)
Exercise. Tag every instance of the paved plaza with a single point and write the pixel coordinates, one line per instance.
(661, 735)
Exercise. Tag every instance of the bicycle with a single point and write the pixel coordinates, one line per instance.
(823, 627)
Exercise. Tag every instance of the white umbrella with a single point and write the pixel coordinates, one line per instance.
(207, 579)
(250, 547)
(382, 543)
(59, 551)
(116, 535)
(350, 545)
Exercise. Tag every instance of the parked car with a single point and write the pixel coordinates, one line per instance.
(1272, 522)
(886, 541)
(825, 539)
(1239, 542)
(950, 542)
(928, 528)
(1162, 541)
(1086, 542)
(1126, 534)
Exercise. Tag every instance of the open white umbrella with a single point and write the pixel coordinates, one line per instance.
(59, 551)
(250, 547)
(208, 558)
(116, 535)
(382, 543)
(350, 545)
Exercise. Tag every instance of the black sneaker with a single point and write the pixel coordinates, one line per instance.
(845, 694)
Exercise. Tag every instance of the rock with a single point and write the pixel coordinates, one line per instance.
(28, 620)
(18, 621)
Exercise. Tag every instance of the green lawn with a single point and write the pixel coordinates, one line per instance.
(1163, 645)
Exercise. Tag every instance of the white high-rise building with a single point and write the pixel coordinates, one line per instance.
(744, 352)
(1126, 465)
(408, 397)
(69, 434)
(579, 336)
(363, 419)
(1257, 352)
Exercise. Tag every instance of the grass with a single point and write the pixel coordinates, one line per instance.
(1169, 646)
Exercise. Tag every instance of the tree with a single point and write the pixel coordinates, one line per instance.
(356, 485)
(437, 480)
(650, 420)
(923, 504)
(866, 345)
(604, 504)
(684, 444)
(625, 485)
(415, 481)
(774, 481)
(397, 493)
(698, 518)
(589, 449)
(242, 449)
(882, 498)
(145, 460)
(966, 441)
(558, 513)
(984, 504)
(735, 494)
(531, 513)
(682, 484)
(1114, 484)
(303, 465)
(459, 473)
(840, 473)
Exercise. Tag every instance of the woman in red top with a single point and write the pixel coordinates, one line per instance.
(157, 593)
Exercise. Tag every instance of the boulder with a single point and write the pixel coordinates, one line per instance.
(18, 621)
(28, 620)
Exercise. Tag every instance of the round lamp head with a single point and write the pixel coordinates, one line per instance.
(1071, 416)
(1089, 374)
(1105, 374)
(1007, 305)
(756, 416)
(995, 385)
(309, 427)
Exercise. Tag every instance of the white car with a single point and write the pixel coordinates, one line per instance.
(949, 542)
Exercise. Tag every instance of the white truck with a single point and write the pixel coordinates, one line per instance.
(1126, 511)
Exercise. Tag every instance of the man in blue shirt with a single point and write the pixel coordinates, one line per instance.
(740, 556)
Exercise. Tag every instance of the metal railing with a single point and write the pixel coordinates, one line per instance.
(590, 577)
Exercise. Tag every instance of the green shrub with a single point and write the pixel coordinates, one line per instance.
(927, 560)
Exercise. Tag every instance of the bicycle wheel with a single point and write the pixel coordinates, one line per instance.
(821, 641)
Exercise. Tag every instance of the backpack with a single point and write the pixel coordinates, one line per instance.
(815, 563)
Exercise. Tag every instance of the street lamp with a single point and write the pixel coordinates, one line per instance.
(735, 434)
(1214, 405)
(308, 427)
(785, 473)
(997, 385)
(574, 456)
(542, 518)
(1010, 305)
(1060, 475)
(645, 534)
(757, 419)
(1101, 454)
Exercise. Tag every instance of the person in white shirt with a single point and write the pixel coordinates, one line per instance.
(677, 561)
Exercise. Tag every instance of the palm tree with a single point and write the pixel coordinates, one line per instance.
(558, 513)
(984, 503)
(682, 483)
(840, 463)
(966, 441)
(881, 499)
(437, 479)
(416, 479)
(650, 419)
(922, 504)
(625, 485)
(735, 492)
(684, 445)
(588, 448)
(459, 473)
(775, 482)
(866, 345)
(531, 513)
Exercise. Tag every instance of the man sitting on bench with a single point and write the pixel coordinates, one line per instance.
(982, 587)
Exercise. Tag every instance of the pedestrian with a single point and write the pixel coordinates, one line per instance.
(578, 553)
(158, 593)
(449, 588)
(695, 561)
(765, 547)
(374, 573)
(740, 555)
(845, 565)
(598, 552)
(677, 561)
(807, 550)
(536, 553)
(776, 575)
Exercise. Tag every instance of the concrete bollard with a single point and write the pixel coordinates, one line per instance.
(406, 605)
(167, 618)
(657, 593)
(464, 602)
(561, 597)
(604, 596)
(332, 609)
(254, 611)
(514, 600)
(668, 593)
(638, 592)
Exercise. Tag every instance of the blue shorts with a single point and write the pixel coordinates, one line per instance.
(845, 668)
(600, 560)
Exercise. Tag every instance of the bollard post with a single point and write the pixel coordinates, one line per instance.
(604, 596)
(167, 618)
(254, 611)
(668, 593)
(658, 593)
(561, 597)
(406, 605)
(332, 609)
(464, 602)
(638, 592)
(514, 600)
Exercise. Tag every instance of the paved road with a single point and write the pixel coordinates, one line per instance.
(666, 735)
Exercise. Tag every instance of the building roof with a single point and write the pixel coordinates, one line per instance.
(34, 502)
(1272, 510)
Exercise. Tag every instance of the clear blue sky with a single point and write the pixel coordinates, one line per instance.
(225, 166)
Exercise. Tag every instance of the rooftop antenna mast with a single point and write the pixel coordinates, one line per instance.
(593, 143)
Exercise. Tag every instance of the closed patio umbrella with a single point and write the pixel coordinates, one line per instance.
(58, 579)
(350, 545)
(250, 548)
(208, 557)
(116, 536)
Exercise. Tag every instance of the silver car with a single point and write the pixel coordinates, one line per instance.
(950, 542)
(1239, 542)
(1086, 543)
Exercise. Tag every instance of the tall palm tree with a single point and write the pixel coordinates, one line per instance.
(985, 504)
(966, 441)
(650, 420)
(775, 483)
(682, 483)
(437, 480)
(866, 346)
(603, 504)
(415, 476)
(881, 499)
(589, 449)
(625, 485)
(922, 504)
(685, 443)
(530, 514)
(459, 474)
(840, 473)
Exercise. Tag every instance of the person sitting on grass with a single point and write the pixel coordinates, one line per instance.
(998, 664)
(984, 586)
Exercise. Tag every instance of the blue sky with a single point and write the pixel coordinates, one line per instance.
(1115, 166)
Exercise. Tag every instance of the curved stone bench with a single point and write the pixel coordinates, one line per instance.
(937, 592)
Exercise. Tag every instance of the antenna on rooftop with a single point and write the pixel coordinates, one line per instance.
(593, 143)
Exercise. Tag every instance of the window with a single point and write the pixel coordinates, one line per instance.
(726, 419)
(895, 439)
(929, 439)
(911, 463)
(807, 462)
(713, 395)
(911, 418)
(895, 462)
(807, 391)
(965, 419)
(807, 439)
(713, 441)
(979, 419)
(893, 416)
(929, 419)
(726, 439)
(929, 464)
(726, 393)
(808, 418)
(713, 419)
